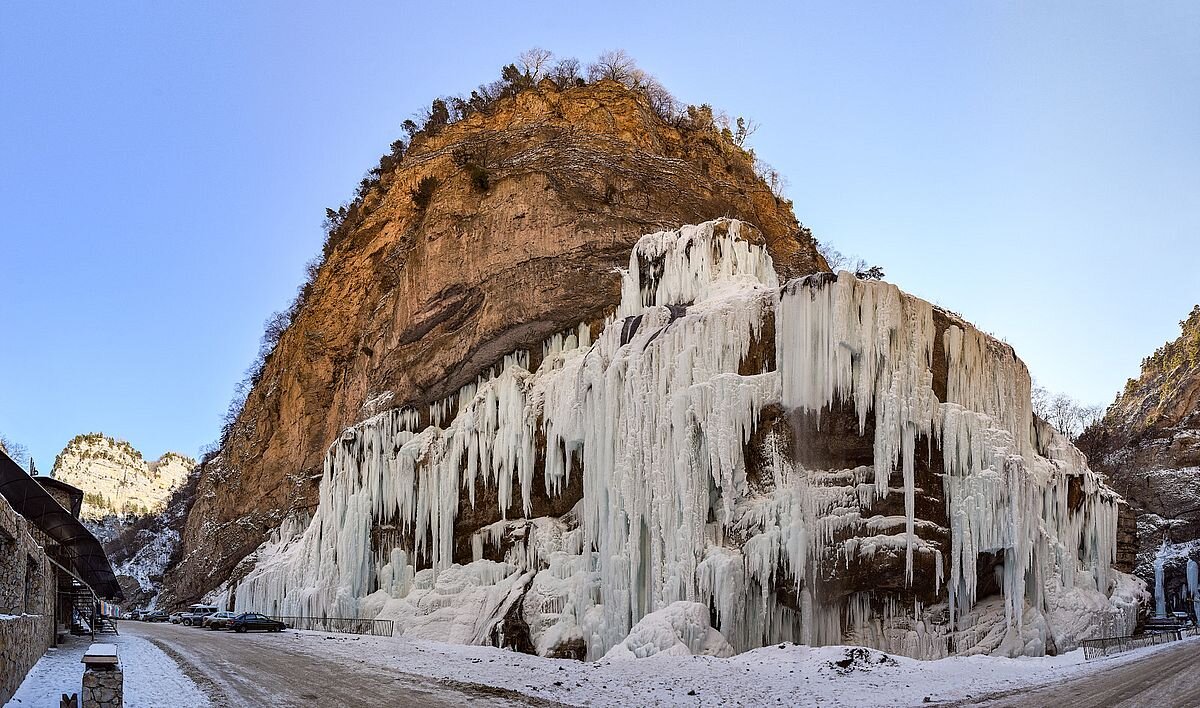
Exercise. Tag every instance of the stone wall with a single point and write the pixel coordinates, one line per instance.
(62, 496)
(27, 594)
(103, 688)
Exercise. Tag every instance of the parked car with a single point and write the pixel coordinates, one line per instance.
(252, 620)
(218, 620)
(195, 615)
(155, 616)
(174, 617)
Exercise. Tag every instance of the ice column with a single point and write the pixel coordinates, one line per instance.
(1160, 593)
(1193, 578)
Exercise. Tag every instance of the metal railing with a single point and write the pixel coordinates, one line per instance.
(344, 625)
(1106, 646)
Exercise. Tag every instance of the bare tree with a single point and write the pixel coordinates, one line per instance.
(1040, 398)
(745, 128)
(1067, 415)
(839, 261)
(835, 258)
(771, 176)
(15, 450)
(274, 328)
(661, 100)
(615, 65)
(566, 72)
(535, 63)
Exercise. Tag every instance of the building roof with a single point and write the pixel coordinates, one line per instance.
(75, 493)
(82, 552)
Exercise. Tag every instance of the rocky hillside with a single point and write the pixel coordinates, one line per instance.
(116, 480)
(133, 506)
(488, 235)
(1148, 445)
(544, 385)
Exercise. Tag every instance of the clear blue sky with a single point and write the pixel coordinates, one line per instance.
(164, 168)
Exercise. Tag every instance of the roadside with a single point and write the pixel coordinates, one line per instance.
(1164, 678)
(268, 669)
(300, 668)
(779, 675)
(152, 679)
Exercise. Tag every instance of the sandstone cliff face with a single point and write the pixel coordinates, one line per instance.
(132, 505)
(116, 480)
(1148, 445)
(414, 302)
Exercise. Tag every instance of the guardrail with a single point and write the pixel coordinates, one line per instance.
(344, 625)
(1106, 646)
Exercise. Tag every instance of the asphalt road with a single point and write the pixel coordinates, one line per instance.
(261, 669)
(1166, 679)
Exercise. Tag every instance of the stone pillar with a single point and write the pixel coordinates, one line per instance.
(103, 687)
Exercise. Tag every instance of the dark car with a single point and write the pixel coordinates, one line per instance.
(252, 620)
(156, 616)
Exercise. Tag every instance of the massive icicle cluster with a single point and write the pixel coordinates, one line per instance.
(657, 415)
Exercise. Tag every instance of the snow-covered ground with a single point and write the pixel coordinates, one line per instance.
(152, 679)
(786, 674)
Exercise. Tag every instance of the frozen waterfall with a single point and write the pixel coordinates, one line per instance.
(654, 419)
(1160, 592)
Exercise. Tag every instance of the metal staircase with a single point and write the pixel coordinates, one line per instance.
(83, 610)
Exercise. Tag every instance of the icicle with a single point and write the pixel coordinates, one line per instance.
(655, 415)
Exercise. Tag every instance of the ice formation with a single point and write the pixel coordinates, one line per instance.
(656, 418)
(1160, 592)
(1193, 586)
(679, 629)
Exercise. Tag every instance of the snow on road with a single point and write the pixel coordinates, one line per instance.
(400, 671)
(785, 674)
(152, 679)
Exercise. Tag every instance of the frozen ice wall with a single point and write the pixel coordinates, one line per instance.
(657, 416)
(1193, 586)
(1160, 593)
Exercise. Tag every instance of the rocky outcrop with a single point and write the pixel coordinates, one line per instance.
(116, 479)
(133, 506)
(521, 405)
(1148, 446)
(415, 300)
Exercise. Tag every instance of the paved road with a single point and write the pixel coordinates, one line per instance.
(261, 669)
(1165, 679)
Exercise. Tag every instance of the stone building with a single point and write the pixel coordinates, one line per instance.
(52, 570)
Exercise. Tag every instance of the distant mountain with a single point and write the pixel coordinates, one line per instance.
(133, 506)
(1148, 444)
(116, 479)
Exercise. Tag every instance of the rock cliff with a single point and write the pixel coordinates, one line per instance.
(567, 363)
(1148, 446)
(413, 301)
(132, 505)
(116, 480)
